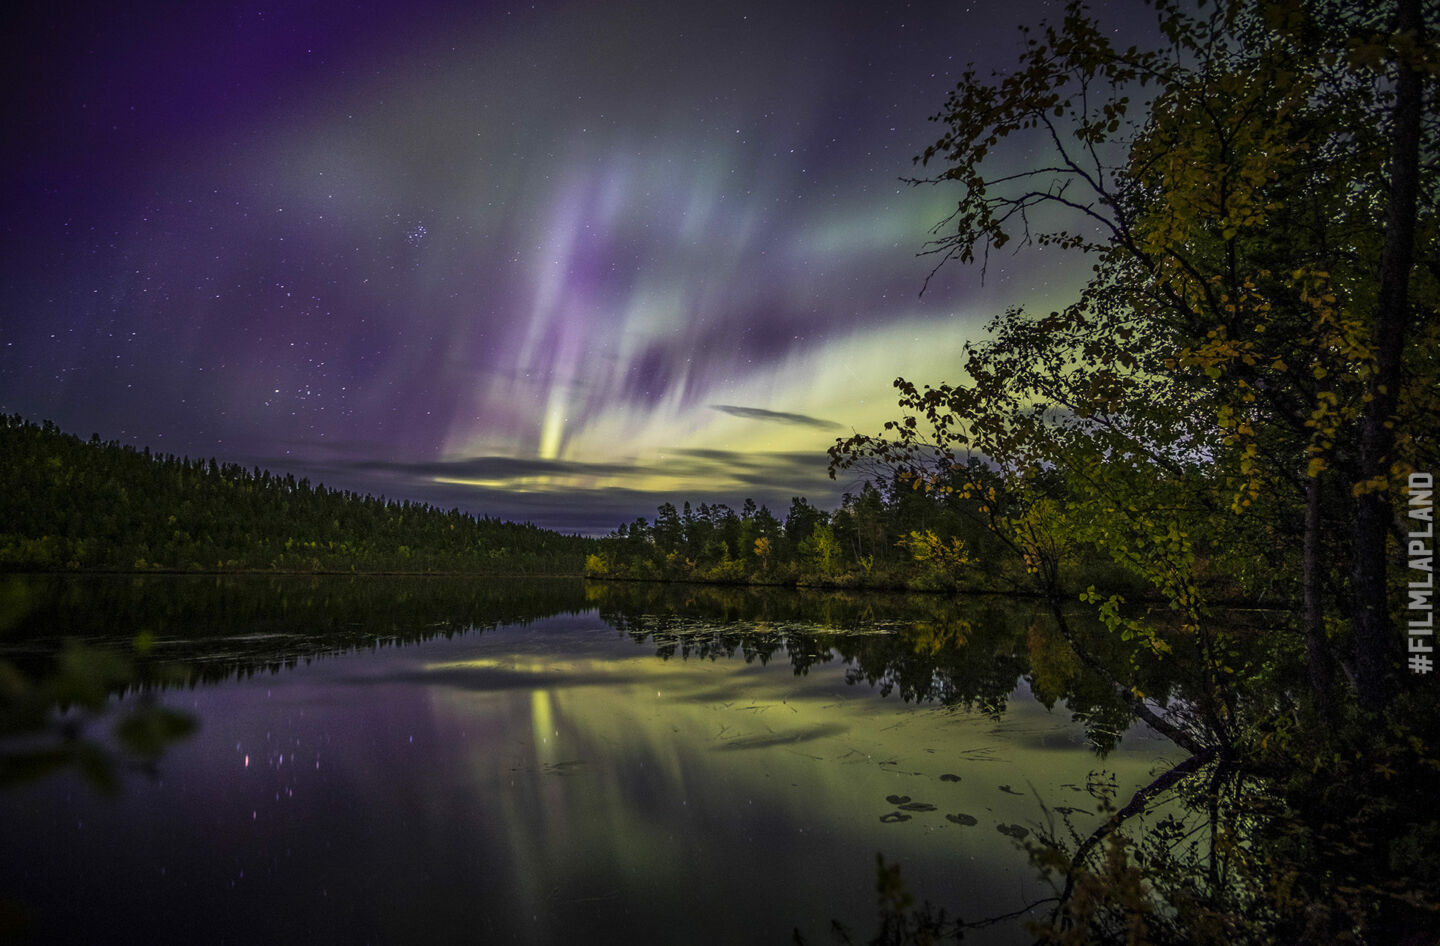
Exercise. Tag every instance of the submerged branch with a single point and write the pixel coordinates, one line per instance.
(1137, 804)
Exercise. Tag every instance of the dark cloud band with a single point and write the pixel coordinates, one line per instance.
(779, 417)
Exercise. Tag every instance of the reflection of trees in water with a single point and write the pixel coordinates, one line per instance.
(1233, 844)
(227, 627)
(1212, 849)
(1232, 853)
(71, 645)
(969, 653)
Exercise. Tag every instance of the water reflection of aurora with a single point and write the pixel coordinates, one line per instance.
(680, 765)
(638, 776)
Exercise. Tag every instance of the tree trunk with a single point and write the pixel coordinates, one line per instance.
(1377, 649)
(1317, 647)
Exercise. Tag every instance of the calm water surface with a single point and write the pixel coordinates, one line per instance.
(543, 764)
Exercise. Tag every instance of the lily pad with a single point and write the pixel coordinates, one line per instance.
(897, 799)
(962, 818)
(1013, 830)
(917, 806)
(894, 818)
(949, 777)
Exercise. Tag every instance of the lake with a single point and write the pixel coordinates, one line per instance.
(436, 760)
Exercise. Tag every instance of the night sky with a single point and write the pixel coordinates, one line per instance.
(556, 262)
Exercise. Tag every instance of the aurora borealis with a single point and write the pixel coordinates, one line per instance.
(556, 262)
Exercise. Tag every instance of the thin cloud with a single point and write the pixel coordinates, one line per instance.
(699, 463)
(779, 417)
(552, 494)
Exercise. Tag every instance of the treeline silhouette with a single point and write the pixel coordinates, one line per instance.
(888, 535)
(67, 503)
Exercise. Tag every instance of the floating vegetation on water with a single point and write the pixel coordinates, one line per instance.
(1067, 810)
(904, 803)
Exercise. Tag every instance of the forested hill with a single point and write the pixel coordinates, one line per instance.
(67, 503)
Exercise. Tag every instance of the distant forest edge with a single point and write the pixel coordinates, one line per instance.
(887, 536)
(71, 504)
(68, 503)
